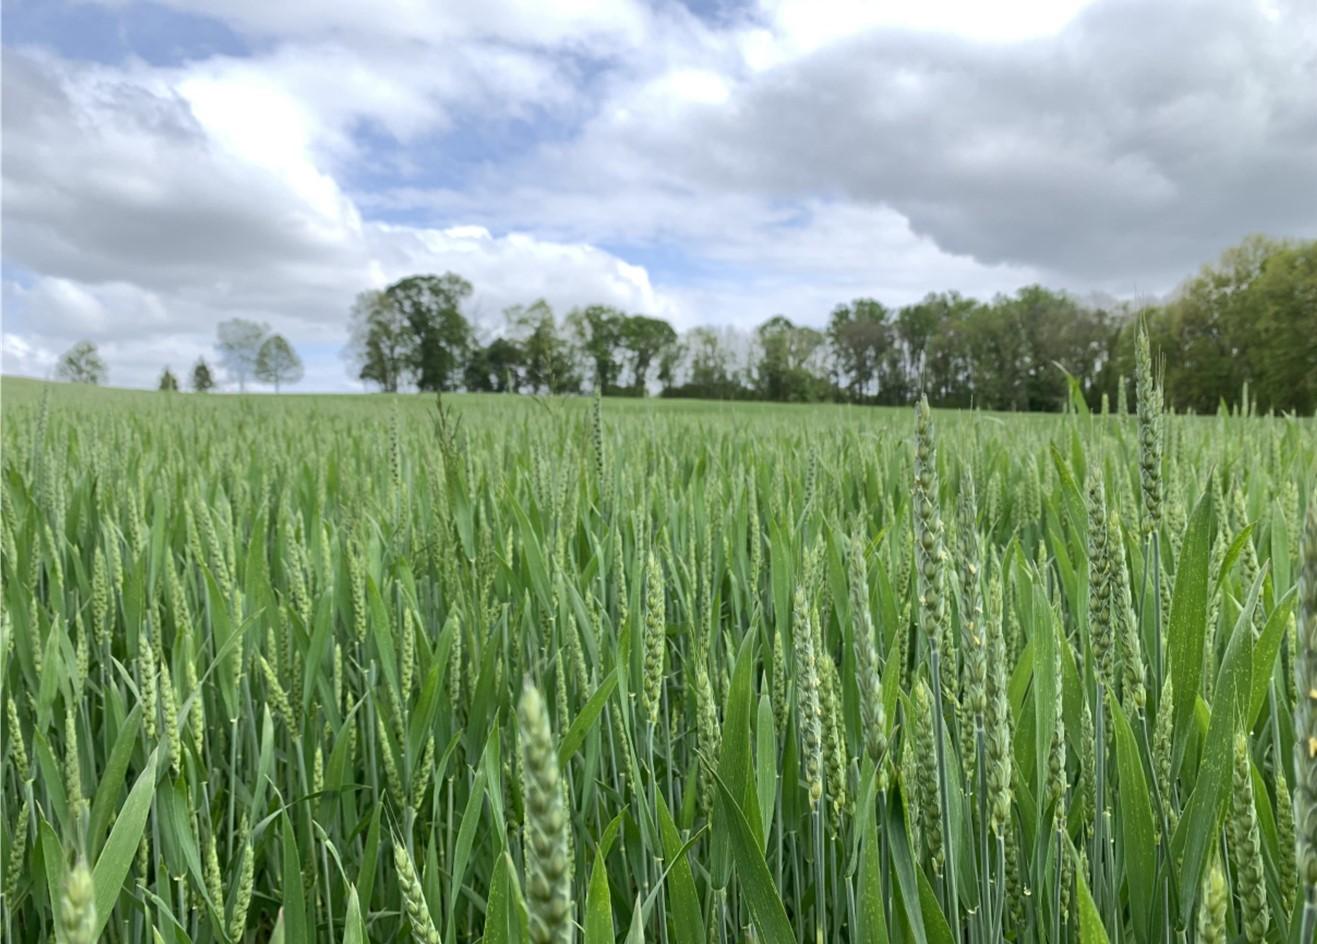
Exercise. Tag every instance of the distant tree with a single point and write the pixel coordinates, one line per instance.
(644, 339)
(1284, 298)
(476, 374)
(82, 364)
(932, 358)
(669, 362)
(202, 379)
(546, 357)
(1055, 335)
(1250, 317)
(916, 325)
(709, 366)
(168, 381)
(597, 331)
(947, 374)
(1247, 319)
(860, 337)
(708, 360)
(787, 361)
(504, 357)
(239, 345)
(379, 341)
(494, 368)
(982, 355)
(277, 363)
(438, 334)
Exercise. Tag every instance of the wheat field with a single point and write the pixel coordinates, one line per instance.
(503, 669)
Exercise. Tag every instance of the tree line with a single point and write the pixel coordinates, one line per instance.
(1245, 323)
(1243, 327)
(246, 349)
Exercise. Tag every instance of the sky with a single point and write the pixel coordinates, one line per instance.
(169, 165)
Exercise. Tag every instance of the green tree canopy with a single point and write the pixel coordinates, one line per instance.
(379, 341)
(202, 379)
(277, 363)
(710, 370)
(439, 334)
(597, 331)
(239, 345)
(860, 336)
(546, 356)
(644, 339)
(495, 367)
(1249, 317)
(82, 364)
(787, 366)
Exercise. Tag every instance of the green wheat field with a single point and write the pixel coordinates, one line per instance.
(339, 669)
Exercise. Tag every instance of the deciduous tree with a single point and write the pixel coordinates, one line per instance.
(82, 364)
(860, 337)
(644, 339)
(379, 341)
(596, 329)
(239, 345)
(277, 363)
(438, 333)
(546, 356)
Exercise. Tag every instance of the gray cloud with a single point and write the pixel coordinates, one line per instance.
(1136, 144)
(146, 203)
(140, 227)
(1120, 154)
(110, 179)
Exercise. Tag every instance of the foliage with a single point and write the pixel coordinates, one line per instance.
(168, 381)
(82, 364)
(378, 341)
(202, 379)
(277, 363)
(645, 340)
(1248, 323)
(1250, 319)
(596, 331)
(787, 367)
(862, 337)
(438, 337)
(708, 367)
(239, 347)
(545, 355)
(496, 367)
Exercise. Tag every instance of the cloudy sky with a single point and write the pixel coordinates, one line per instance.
(168, 165)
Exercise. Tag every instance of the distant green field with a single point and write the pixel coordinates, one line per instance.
(346, 668)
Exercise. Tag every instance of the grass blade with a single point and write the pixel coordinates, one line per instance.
(120, 851)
